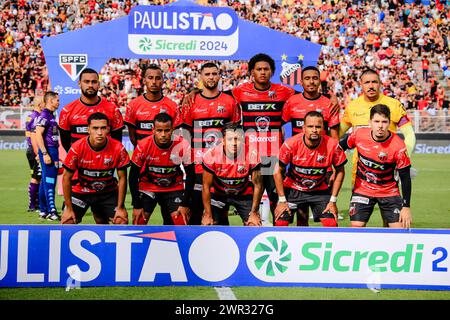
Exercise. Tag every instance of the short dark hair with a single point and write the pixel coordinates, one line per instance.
(48, 95)
(261, 57)
(232, 126)
(163, 117)
(369, 71)
(86, 71)
(97, 116)
(310, 68)
(314, 113)
(151, 66)
(208, 65)
(380, 109)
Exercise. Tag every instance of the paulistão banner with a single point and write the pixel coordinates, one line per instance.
(85, 255)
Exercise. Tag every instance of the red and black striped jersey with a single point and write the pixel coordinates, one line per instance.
(308, 166)
(206, 117)
(377, 162)
(73, 117)
(141, 112)
(298, 106)
(261, 115)
(231, 176)
(161, 167)
(94, 169)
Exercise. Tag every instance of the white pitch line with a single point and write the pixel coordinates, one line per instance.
(225, 293)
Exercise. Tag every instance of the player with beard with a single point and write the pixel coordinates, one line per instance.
(205, 119)
(380, 153)
(88, 179)
(261, 103)
(226, 180)
(73, 117)
(141, 111)
(156, 176)
(309, 156)
(300, 104)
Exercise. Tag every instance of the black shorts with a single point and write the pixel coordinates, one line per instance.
(361, 207)
(35, 168)
(168, 201)
(267, 167)
(299, 200)
(103, 205)
(197, 202)
(220, 205)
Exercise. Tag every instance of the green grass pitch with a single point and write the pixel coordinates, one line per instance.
(430, 208)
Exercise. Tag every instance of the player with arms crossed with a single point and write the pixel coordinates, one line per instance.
(205, 118)
(91, 163)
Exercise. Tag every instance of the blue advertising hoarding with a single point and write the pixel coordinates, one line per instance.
(89, 255)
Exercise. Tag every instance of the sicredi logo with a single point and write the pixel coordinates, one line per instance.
(73, 64)
(182, 21)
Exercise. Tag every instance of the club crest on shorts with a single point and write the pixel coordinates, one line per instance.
(73, 64)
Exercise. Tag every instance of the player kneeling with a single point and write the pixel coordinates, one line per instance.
(227, 170)
(88, 179)
(156, 176)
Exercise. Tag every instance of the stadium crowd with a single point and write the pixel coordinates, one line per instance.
(394, 37)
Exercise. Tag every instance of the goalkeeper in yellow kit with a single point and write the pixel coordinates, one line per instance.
(357, 113)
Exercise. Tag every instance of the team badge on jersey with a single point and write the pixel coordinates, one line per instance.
(272, 94)
(382, 156)
(107, 160)
(73, 64)
(241, 169)
(320, 158)
(221, 109)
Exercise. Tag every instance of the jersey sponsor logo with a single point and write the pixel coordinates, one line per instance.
(299, 123)
(143, 113)
(98, 185)
(311, 171)
(262, 123)
(98, 173)
(210, 123)
(146, 126)
(73, 64)
(233, 182)
(359, 199)
(81, 129)
(78, 202)
(163, 182)
(372, 164)
(261, 106)
(164, 170)
(262, 139)
(211, 139)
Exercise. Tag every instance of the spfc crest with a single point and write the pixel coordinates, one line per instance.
(73, 64)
